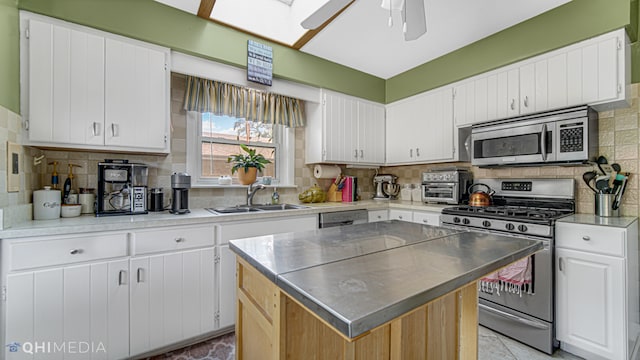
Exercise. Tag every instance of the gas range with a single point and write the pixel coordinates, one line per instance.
(522, 207)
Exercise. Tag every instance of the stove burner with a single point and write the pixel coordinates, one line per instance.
(507, 212)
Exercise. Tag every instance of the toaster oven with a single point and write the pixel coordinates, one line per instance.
(446, 186)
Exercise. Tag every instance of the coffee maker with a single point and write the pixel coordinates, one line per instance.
(122, 188)
(386, 187)
(180, 184)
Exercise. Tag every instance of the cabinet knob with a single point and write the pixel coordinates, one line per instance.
(96, 128)
(355, 153)
(417, 152)
(586, 238)
(75, 251)
(379, 217)
(122, 277)
(400, 217)
(361, 153)
(410, 152)
(425, 221)
(140, 275)
(526, 101)
(114, 130)
(513, 104)
(179, 240)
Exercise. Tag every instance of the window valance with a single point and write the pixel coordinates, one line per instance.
(203, 95)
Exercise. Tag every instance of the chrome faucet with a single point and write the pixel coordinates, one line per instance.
(251, 190)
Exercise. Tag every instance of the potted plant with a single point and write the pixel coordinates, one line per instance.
(247, 165)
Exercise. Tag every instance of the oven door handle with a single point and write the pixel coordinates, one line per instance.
(543, 142)
(513, 317)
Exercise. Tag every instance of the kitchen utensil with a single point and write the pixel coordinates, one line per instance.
(602, 160)
(480, 198)
(588, 177)
(616, 167)
(618, 196)
(46, 204)
(180, 184)
(602, 184)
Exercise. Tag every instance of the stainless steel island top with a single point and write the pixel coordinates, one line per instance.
(378, 271)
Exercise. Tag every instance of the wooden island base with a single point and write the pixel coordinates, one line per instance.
(272, 325)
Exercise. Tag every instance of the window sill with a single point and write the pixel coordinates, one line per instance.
(239, 186)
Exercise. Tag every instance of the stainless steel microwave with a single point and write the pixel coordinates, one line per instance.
(559, 137)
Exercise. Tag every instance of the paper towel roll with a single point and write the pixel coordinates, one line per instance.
(326, 171)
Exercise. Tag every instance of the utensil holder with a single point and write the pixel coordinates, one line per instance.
(333, 194)
(604, 205)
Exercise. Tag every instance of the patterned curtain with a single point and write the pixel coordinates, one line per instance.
(220, 98)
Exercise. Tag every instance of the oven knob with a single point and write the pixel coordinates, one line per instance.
(522, 228)
(456, 219)
(465, 221)
(510, 226)
(486, 223)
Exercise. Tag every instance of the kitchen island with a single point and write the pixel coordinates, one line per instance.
(385, 290)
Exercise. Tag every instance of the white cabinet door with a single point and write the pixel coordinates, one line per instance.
(403, 215)
(464, 107)
(541, 86)
(370, 133)
(172, 298)
(609, 78)
(66, 85)
(481, 100)
(437, 127)
(378, 215)
(340, 122)
(590, 302)
(513, 92)
(557, 81)
(403, 131)
(88, 303)
(527, 89)
(135, 96)
(227, 286)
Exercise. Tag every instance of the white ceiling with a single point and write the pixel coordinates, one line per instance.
(360, 38)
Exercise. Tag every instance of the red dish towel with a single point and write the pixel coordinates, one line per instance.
(514, 279)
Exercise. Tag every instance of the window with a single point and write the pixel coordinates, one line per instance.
(211, 139)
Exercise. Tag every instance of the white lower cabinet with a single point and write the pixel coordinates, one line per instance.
(172, 298)
(418, 216)
(378, 215)
(227, 286)
(597, 289)
(77, 307)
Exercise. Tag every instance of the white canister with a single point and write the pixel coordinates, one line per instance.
(87, 201)
(46, 204)
(405, 192)
(416, 193)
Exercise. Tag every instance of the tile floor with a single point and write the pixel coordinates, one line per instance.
(491, 346)
(494, 346)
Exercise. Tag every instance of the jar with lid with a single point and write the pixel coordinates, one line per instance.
(405, 192)
(416, 193)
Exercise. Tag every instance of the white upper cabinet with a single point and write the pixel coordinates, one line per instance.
(351, 131)
(420, 128)
(595, 72)
(88, 89)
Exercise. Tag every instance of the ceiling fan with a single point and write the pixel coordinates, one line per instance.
(414, 22)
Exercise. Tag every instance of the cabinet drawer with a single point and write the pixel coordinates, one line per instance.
(247, 229)
(42, 252)
(378, 215)
(404, 215)
(596, 239)
(173, 238)
(427, 218)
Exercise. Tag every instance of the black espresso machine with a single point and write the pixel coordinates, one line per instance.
(122, 188)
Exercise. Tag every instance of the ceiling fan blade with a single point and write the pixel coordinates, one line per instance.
(324, 13)
(415, 19)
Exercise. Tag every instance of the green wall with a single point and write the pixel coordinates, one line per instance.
(9, 56)
(570, 23)
(153, 22)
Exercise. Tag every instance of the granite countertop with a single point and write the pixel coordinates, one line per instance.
(90, 223)
(590, 219)
(362, 276)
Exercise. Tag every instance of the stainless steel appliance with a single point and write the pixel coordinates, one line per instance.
(342, 218)
(562, 136)
(156, 200)
(525, 208)
(447, 186)
(122, 188)
(180, 184)
(386, 187)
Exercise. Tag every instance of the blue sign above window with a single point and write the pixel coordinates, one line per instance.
(259, 63)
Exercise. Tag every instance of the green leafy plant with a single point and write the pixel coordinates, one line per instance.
(251, 159)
